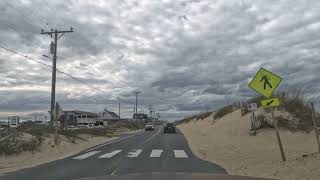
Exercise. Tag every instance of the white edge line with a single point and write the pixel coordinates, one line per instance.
(117, 140)
(152, 136)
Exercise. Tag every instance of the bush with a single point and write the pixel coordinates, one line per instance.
(223, 111)
(15, 146)
(296, 104)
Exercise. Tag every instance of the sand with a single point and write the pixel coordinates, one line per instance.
(46, 153)
(227, 143)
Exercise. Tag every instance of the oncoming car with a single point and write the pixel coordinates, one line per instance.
(149, 127)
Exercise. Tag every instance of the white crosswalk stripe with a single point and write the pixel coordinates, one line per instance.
(134, 153)
(111, 154)
(86, 155)
(156, 153)
(180, 154)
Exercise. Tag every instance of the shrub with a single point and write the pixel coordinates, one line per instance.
(296, 104)
(15, 146)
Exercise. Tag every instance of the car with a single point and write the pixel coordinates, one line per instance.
(149, 127)
(169, 128)
(83, 126)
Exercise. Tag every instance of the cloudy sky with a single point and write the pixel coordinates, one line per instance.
(186, 56)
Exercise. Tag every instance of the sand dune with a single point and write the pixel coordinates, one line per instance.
(46, 153)
(227, 142)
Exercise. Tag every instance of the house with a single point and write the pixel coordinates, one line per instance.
(76, 117)
(108, 116)
(140, 116)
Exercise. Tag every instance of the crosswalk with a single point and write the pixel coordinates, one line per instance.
(155, 153)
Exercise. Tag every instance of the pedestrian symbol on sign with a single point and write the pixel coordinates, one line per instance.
(265, 82)
(266, 79)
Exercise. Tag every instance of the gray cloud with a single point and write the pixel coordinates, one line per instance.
(185, 56)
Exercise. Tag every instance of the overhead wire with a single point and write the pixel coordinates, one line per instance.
(62, 72)
(27, 19)
(54, 12)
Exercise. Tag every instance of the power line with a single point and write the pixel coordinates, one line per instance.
(23, 16)
(62, 72)
(32, 12)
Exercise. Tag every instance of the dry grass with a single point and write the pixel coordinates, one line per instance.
(223, 111)
(16, 145)
(200, 116)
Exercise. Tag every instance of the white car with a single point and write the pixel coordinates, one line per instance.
(83, 126)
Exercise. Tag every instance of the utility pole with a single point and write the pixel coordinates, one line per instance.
(53, 50)
(119, 110)
(150, 108)
(136, 93)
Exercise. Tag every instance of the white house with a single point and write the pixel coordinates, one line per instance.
(107, 116)
(76, 117)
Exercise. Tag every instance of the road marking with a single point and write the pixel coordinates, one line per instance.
(110, 155)
(114, 171)
(151, 136)
(83, 156)
(156, 153)
(180, 154)
(117, 140)
(135, 153)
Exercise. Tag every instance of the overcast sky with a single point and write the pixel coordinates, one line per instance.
(186, 56)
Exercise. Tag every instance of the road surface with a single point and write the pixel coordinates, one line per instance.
(144, 152)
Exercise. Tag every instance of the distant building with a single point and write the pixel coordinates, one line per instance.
(140, 116)
(108, 116)
(76, 117)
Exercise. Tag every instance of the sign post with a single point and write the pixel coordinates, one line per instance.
(315, 126)
(252, 107)
(275, 123)
(265, 83)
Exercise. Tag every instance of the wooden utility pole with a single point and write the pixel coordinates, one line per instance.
(53, 50)
(119, 110)
(275, 123)
(315, 125)
(136, 93)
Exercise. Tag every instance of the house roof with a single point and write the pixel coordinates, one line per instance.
(77, 112)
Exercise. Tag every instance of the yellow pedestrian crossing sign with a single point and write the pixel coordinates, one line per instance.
(270, 102)
(265, 82)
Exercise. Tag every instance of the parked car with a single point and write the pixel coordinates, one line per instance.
(149, 127)
(169, 128)
(83, 126)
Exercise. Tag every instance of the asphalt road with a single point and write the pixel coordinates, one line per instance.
(144, 152)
